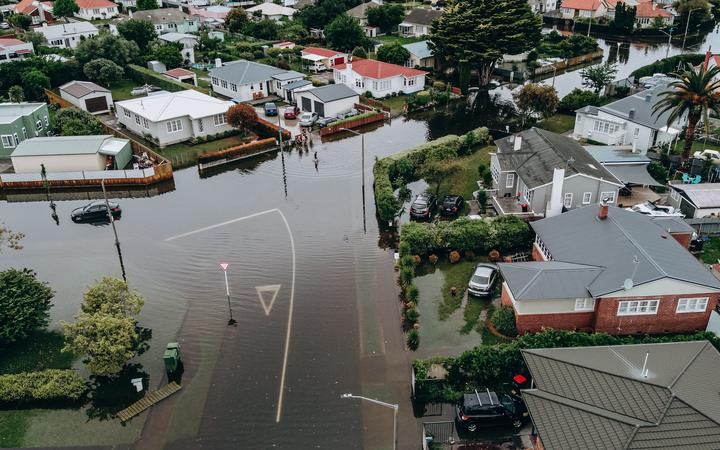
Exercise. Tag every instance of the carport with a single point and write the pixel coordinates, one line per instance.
(635, 174)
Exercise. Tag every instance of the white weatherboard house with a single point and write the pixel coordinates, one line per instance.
(96, 9)
(67, 35)
(628, 121)
(271, 11)
(246, 80)
(87, 96)
(175, 116)
(327, 101)
(418, 22)
(12, 49)
(169, 20)
(380, 78)
(71, 153)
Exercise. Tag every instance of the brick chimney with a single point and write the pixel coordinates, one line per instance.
(603, 211)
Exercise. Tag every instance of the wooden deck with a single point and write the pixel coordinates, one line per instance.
(149, 400)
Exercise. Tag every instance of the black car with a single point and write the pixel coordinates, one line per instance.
(483, 408)
(95, 212)
(423, 207)
(452, 205)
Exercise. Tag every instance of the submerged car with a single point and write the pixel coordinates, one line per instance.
(270, 109)
(484, 408)
(325, 121)
(482, 280)
(423, 206)
(452, 205)
(653, 209)
(307, 119)
(95, 212)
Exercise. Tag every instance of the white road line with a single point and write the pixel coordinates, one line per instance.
(221, 224)
(292, 289)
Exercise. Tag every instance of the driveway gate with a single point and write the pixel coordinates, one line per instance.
(442, 433)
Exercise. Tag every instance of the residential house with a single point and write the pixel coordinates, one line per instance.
(420, 55)
(607, 269)
(287, 3)
(247, 80)
(211, 14)
(327, 101)
(12, 49)
(39, 12)
(696, 200)
(96, 9)
(584, 9)
(648, 12)
(20, 121)
(628, 166)
(300, 4)
(537, 173)
(624, 396)
(322, 58)
(67, 35)
(417, 23)
(188, 42)
(360, 11)
(175, 116)
(271, 11)
(628, 121)
(542, 6)
(379, 78)
(182, 76)
(71, 153)
(168, 20)
(87, 96)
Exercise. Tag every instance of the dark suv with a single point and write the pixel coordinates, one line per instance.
(483, 408)
(423, 206)
(452, 205)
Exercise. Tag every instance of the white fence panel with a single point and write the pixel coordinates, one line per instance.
(81, 175)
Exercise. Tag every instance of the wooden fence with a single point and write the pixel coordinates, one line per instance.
(332, 129)
(705, 226)
(374, 103)
(54, 97)
(266, 129)
(238, 150)
(570, 62)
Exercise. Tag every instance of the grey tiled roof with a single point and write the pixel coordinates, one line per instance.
(598, 398)
(543, 151)
(244, 72)
(551, 279)
(577, 236)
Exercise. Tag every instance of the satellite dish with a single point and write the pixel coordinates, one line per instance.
(628, 284)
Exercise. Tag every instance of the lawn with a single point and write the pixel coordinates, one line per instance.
(464, 182)
(186, 153)
(13, 425)
(456, 275)
(698, 146)
(390, 39)
(396, 104)
(121, 90)
(711, 251)
(559, 123)
(41, 350)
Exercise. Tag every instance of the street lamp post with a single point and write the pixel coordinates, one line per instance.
(687, 25)
(362, 143)
(224, 267)
(392, 406)
(669, 35)
(112, 222)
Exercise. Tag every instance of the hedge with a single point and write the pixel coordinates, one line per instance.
(492, 365)
(668, 65)
(143, 75)
(45, 386)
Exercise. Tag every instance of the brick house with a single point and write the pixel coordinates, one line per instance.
(610, 270)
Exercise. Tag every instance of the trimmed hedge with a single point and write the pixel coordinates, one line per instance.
(668, 65)
(45, 386)
(143, 75)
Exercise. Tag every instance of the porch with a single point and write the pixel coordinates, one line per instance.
(512, 206)
(406, 29)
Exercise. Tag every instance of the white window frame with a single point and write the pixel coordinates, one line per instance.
(567, 199)
(609, 195)
(47, 121)
(219, 120)
(137, 119)
(24, 131)
(585, 304)
(509, 180)
(691, 305)
(127, 113)
(675, 195)
(587, 198)
(7, 141)
(638, 307)
(173, 126)
(17, 139)
(39, 125)
(145, 123)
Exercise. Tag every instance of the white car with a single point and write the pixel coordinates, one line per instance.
(714, 155)
(651, 209)
(482, 280)
(307, 119)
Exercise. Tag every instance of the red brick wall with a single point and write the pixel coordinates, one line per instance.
(683, 238)
(537, 254)
(533, 323)
(665, 321)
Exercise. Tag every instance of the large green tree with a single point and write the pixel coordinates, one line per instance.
(535, 99)
(393, 53)
(34, 83)
(103, 71)
(115, 48)
(21, 21)
(598, 76)
(142, 32)
(168, 54)
(261, 29)
(65, 8)
(482, 31)
(236, 20)
(344, 33)
(323, 12)
(25, 303)
(76, 122)
(693, 95)
(144, 5)
(386, 17)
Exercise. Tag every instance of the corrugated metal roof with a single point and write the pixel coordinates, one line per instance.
(62, 145)
(704, 195)
(632, 174)
(82, 88)
(419, 49)
(548, 280)
(642, 104)
(615, 154)
(244, 72)
(333, 92)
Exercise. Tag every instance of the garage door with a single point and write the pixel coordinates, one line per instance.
(320, 108)
(306, 104)
(96, 104)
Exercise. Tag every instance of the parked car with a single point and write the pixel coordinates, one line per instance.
(4, 25)
(143, 90)
(452, 205)
(482, 280)
(423, 207)
(308, 119)
(95, 212)
(346, 114)
(484, 408)
(713, 155)
(291, 112)
(325, 121)
(653, 209)
(270, 109)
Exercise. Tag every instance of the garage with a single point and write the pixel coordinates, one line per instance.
(327, 101)
(87, 96)
(96, 104)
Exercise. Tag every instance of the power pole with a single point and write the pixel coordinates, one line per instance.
(112, 222)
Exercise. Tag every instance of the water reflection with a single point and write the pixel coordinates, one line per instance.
(111, 394)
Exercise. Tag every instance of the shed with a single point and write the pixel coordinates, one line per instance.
(71, 153)
(182, 75)
(696, 200)
(327, 101)
(87, 96)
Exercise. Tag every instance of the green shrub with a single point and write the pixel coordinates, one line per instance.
(404, 249)
(504, 320)
(668, 65)
(420, 237)
(44, 386)
(386, 204)
(413, 339)
(510, 233)
(406, 275)
(411, 317)
(439, 85)
(422, 98)
(413, 293)
(576, 99)
(487, 178)
(482, 198)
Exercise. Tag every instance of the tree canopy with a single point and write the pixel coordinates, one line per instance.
(241, 116)
(103, 71)
(482, 31)
(115, 48)
(344, 33)
(168, 54)
(536, 99)
(142, 32)
(144, 5)
(323, 12)
(598, 76)
(236, 20)
(25, 303)
(34, 83)
(261, 29)
(16, 94)
(386, 17)
(76, 122)
(65, 8)
(21, 21)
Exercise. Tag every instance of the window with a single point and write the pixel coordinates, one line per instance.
(47, 121)
(173, 126)
(214, 81)
(201, 126)
(527, 193)
(636, 132)
(686, 305)
(17, 140)
(219, 119)
(145, 123)
(410, 81)
(96, 11)
(7, 141)
(278, 85)
(567, 199)
(608, 197)
(24, 133)
(127, 113)
(638, 307)
(223, 84)
(39, 125)
(233, 87)
(510, 180)
(587, 198)
(359, 82)
(584, 304)
(137, 119)
(604, 127)
(381, 85)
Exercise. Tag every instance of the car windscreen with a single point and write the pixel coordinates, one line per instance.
(419, 205)
(480, 279)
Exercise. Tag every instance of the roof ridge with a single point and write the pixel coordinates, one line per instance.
(637, 246)
(527, 285)
(692, 360)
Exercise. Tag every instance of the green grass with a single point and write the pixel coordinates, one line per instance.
(13, 425)
(464, 182)
(473, 308)
(697, 146)
(456, 275)
(711, 251)
(201, 74)
(559, 123)
(187, 152)
(41, 350)
(396, 104)
(121, 90)
(390, 39)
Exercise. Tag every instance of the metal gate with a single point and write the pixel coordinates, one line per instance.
(438, 433)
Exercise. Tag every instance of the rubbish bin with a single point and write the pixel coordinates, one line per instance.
(171, 356)
(524, 207)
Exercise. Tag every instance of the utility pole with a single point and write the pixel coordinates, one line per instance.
(282, 154)
(392, 406)
(687, 26)
(669, 35)
(112, 222)
(362, 144)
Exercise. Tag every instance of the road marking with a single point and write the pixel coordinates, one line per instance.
(272, 289)
(221, 224)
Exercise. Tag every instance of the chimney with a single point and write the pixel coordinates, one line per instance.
(631, 113)
(218, 62)
(518, 142)
(44, 25)
(654, 6)
(555, 205)
(603, 211)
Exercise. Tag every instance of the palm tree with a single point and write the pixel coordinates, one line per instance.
(695, 92)
(16, 94)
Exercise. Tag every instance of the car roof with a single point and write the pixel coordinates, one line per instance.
(480, 398)
(482, 269)
(451, 197)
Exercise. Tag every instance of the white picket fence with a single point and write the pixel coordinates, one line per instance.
(80, 175)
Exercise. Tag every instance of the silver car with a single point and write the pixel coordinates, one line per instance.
(482, 279)
(307, 119)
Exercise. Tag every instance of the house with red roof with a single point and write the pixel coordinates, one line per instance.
(318, 59)
(648, 12)
(12, 49)
(96, 9)
(572, 9)
(38, 11)
(379, 78)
